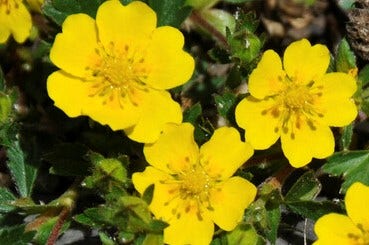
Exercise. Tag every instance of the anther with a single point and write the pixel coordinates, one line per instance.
(292, 136)
(275, 113)
(311, 125)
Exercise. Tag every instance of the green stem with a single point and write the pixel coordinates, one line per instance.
(197, 18)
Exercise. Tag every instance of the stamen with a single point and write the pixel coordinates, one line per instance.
(121, 73)
(311, 125)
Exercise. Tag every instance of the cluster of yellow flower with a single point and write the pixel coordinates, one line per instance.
(116, 69)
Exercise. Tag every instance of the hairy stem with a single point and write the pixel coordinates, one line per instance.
(204, 24)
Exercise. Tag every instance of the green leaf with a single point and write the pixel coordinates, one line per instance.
(313, 210)
(264, 213)
(23, 173)
(153, 239)
(244, 234)
(68, 159)
(138, 206)
(305, 188)
(347, 136)
(201, 4)
(346, 4)
(27, 205)
(106, 239)
(245, 46)
(345, 59)
(273, 216)
(148, 194)
(170, 12)
(114, 169)
(364, 75)
(5, 107)
(6, 197)
(226, 104)
(15, 235)
(158, 226)
(58, 10)
(109, 176)
(365, 106)
(192, 114)
(96, 217)
(127, 237)
(219, 19)
(234, 78)
(88, 220)
(352, 165)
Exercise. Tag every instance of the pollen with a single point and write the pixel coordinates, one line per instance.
(195, 183)
(117, 73)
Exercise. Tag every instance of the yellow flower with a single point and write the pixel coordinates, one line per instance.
(14, 19)
(297, 103)
(116, 69)
(193, 188)
(352, 229)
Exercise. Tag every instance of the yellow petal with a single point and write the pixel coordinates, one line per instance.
(301, 144)
(229, 200)
(146, 178)
(67, 92)
(4, 32)
(335, 229)
(267, 78)
(262, 129)
(158, 108)
(18, 22)
(124, 24)
(117, 115)
(174, 150)
(165, 202)
(72, 96)
(224, 153)
(189, 230)
(169, 65)
(74, 49)
(337, 84)
(337, 108)
(356, 201)
(338, 113)
(305, 63)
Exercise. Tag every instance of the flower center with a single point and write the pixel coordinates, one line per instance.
(191, 188)
(8, 5)
(296, 105)
(297, 98)
(117, 74)
(194, 184)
